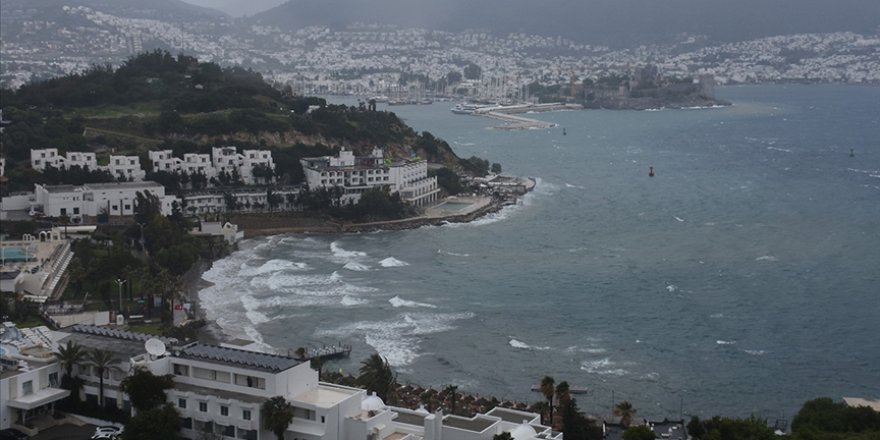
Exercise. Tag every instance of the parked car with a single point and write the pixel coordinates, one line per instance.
(12, 434)
(107, 433)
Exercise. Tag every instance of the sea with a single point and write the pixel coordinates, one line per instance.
(743, 278)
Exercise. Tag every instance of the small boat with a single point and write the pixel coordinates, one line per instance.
(465, 109)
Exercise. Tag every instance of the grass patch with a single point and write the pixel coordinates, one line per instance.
(150, 328)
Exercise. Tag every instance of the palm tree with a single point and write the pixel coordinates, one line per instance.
(626, 412)
(562, 394)
(376, 376)
(277, 413)
(70, 355)
(547, 389)
(103, 361)
(451, 389)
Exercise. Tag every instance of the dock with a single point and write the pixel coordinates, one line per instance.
(571, 390)
(507, 114)
(323, 353)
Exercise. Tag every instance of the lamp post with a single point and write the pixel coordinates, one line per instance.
(120, 282)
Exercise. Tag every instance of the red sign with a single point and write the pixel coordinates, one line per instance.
(178, 307)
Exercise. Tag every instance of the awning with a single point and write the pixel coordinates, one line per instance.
(38, 398)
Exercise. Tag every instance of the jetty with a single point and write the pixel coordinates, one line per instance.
(571, 390)
(507, 113)
(323, 353)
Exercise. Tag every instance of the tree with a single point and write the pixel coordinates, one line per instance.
(496, 168)
(376, 376)
(626, 412)
(640, 432)
(695, 428)
(145, 389)
(450, 390)
(160, 422)
(103, 361)
(277, 413)
(574, 424)
(548, 388)
(70, 355)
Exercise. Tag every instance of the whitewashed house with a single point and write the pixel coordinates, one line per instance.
(126, 167)
(116, 198)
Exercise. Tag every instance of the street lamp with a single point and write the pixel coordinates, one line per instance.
(120, 282)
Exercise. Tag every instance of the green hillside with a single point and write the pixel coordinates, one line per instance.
(157, 100)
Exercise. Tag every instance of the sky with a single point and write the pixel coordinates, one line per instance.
(238, 8)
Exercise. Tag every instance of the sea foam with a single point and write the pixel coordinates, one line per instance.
(393, 262)
(400, 302)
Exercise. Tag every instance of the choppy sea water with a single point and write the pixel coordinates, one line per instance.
(741, 279)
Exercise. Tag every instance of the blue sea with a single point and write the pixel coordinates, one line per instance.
(743, 278)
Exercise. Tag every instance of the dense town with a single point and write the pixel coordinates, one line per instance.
(373, 59)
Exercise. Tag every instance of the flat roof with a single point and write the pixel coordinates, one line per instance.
(60, 188)
(272, 363)
(511, 415)
(476, 424)
(223, 394)
(325, 396)
(410, 419)
(116, 185)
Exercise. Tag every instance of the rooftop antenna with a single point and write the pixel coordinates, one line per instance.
(155, 347)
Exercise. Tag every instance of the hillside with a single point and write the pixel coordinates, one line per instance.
(613, 22)
(156, 100)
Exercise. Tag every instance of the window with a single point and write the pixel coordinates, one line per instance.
(224, 410)
(203, 406)
(27, 388)
(53, 380)
(181, 403)
(181, 370)
(127, 207)
(245, 414)
(63, 211)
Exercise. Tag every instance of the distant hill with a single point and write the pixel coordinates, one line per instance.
(157, 100)
(615, 22)
(167, 10)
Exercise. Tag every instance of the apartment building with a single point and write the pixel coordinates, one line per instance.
(357, 174)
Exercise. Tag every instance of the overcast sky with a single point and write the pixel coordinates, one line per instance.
(238, 8)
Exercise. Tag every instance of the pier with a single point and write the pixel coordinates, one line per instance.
(507, 113)
(324, 353)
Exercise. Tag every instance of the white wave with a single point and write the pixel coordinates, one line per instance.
(717, 315)
(569, 185)
(678, 218)
(519, 344)
(784, 150)
(400, 302)
(767, 258)
(671, 288)
(542, 189)
(603, 367)
(722, 342)
(250, 305)
(352, 301)
(271, 266)
(464, 144)
(393, 262)
(452, 254)
(398, 339)
(756, 352)
(591, 350)
(339, 252)
(357, 267)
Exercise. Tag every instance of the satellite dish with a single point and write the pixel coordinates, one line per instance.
(155, 347)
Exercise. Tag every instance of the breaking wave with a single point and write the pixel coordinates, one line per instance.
(400, 302)
(393, 262)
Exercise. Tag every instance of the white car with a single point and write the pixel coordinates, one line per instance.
(106, 433)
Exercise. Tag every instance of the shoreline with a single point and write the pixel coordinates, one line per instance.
(194, 282)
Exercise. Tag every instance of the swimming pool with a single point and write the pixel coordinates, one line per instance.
(14, 254)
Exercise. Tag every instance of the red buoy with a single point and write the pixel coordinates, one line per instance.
(651, 172)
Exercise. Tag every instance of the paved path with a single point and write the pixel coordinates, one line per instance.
(66, 432)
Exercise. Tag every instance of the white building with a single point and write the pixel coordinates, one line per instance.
(221, 389)
(30, 376)
(40, 159)
(126, 167)
(198, 164)
(91, 199)
(357, 174)
(164, 160)
(228, 160)
(243, 199)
